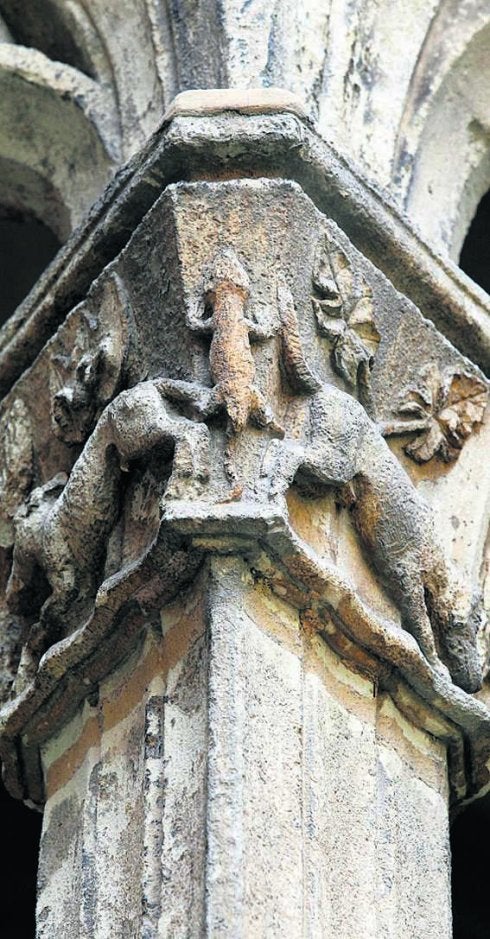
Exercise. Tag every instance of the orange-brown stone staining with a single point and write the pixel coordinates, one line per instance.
(317, 523)
(369, 511)
(226, 291)
(66, 766)
(276, 617)
(354, 680)
(322, 714)
(162, 656)
(290, 720)
(240, 634)
(241, 100)
(124, 693)
(189, 470)
(441, 412)
(230, 356)
(359, 693)
(349, 677)
(360, 661)
(424, 756)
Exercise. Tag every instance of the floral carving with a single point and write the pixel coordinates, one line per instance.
(444, 409)
(343, 305)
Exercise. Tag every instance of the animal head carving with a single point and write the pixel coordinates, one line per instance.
(86, 377)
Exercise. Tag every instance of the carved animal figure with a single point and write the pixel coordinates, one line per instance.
(61, 535)
(85, 378)
(231, 361)
(341, 447)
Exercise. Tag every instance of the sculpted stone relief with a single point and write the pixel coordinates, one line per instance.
(85, 376)
(439, 412)
(343, 305)
(47, 421)
(342, 447)
(222, 315)
(61, 534)
(265, 410)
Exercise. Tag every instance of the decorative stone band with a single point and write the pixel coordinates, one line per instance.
(240, 101)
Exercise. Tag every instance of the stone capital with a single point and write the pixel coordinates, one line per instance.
(233, 366)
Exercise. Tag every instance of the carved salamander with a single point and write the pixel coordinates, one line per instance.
(222, 313)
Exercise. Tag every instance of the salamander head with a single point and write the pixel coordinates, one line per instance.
(226, 272)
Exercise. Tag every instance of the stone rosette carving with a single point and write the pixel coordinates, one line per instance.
(440, 411)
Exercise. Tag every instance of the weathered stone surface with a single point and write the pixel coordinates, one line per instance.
(239, 636)
(249, 145)
(65, 73)
(134, 763)
(244, 401)
(242, 101)
(263, 747)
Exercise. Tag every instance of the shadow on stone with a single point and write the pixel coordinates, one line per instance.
(470, 894)
(21, 831)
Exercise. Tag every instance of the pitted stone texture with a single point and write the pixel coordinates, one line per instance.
(273, 791)
(255, 777)
(412, 835)
(390, 114)
(345, 735)
(129, 771)
(239, 353)
(70, 110)
(243, 101)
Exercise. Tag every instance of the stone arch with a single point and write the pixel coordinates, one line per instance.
(34, 222)
(59, 145)
(25, 191)
(447, 102)
(64, 32)
(474, 257)
(70, 109)
(54, 122)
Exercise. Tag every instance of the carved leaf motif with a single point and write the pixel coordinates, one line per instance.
(464, 407)
(343, 307)
(447, 408)
(427, 444)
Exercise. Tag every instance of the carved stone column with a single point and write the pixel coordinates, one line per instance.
(242, 529)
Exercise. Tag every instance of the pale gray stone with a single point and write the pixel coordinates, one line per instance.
(244, 509)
